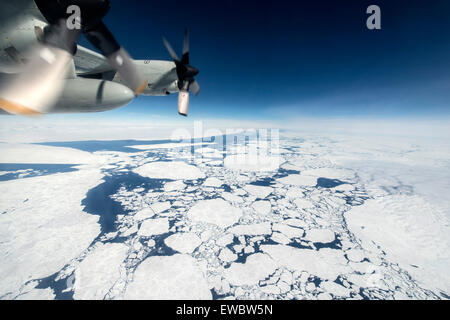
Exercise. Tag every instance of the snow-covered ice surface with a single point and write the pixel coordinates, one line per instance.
(168, 278)
(43, 226)
(169, 170)
(99, 271)
(342, 217)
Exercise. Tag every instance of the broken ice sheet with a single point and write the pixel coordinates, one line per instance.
(234, 232)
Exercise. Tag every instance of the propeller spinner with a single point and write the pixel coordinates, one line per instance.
(185, 74)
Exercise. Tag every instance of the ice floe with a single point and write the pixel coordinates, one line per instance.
(176, 277)
(231, 197)
(37, 294)
(173, 170)
(410, 231)
(225, 240)
(212, 182)
(262, 207)
(251, 229)
(43, 226)
(215, 211)
(299, 180)
(174, 186)
(288, 231)
(151, 227)
(335, 289)
(99, 271)
(257, 267)
(320, 235)
(183, 242)
(244, 162)
(159, 207)
(355, 255)
(227, 255)
(294, 193)
(258, 191)
(324, 263)
(280, 238)
(303, 203)
(29, 153)
(144, 214)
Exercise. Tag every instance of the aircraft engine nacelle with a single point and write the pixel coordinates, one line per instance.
(92, 95)
(85, 95)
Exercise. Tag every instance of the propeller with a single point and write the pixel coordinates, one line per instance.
(185, 74)
(38, 86)
(117, 56)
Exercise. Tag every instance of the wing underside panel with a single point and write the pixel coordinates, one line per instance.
(90, 62)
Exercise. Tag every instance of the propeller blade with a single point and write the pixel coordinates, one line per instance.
(128, 71)
(183, 102)
(118, 57)
(185, 57)
(38, 86)
(170, 49)
(194, 87)
(185, 74)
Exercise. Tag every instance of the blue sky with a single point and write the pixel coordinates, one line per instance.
(296, 58)
(285, 59)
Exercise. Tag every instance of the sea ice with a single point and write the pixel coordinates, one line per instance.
(257, 163)
(151, 227)
(260, 192)
(320, 235)
(183, 242)
(355, 255)
(225, 240)
(209, 152)
(227, 255)
(43, 225)
(173, 170)
(215, 211)
(410, 231)
(280, 238)
(212, 182)
(231, 197)
(330, 173)
(159, 207)
(324, 263)
(294, 193)
(144, 214)
(29, 153)
(262, 207)
(251, 229)
(128, 232)
(176, 277)
(99, 271)
(335, 289)
(37, 294)
(174, 186)
(270, 289)
(257, 267)
(288, 231)
(303, 203)
(299, 180)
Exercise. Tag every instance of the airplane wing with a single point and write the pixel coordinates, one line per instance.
(90, 62)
